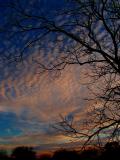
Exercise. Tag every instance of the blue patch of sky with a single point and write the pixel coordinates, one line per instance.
(13, 125)
(36, 7)
(15, 44)
(8, 125)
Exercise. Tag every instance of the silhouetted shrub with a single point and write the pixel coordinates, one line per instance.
(23, 153)
(3, 155)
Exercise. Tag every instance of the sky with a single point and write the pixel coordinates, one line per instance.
(31, 102)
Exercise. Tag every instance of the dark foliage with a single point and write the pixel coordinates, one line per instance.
(110, 151)
(3, 155)
(20, 153)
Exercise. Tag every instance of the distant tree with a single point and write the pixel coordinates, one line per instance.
(112, 151)
(112, 145)
(23, 153)
(84, 32)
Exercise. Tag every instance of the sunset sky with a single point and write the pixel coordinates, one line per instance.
(31, 102)
(59, 71)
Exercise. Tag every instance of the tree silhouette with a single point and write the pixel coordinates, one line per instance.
(112, 151)
(23, 153)
(88, 34)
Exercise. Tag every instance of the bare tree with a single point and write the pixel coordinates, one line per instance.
(85, 32)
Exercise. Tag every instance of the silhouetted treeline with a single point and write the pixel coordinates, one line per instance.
(110, 151)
